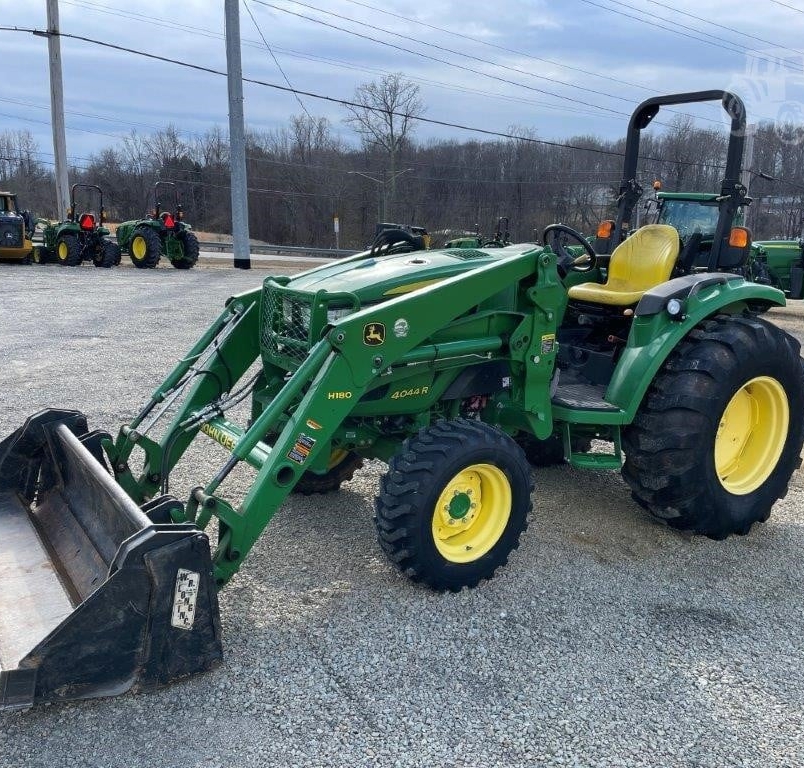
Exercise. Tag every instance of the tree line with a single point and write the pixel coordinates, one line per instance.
(303, 174)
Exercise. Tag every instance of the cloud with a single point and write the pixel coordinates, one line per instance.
(560, 69)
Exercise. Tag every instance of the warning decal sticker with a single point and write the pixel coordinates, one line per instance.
(301, 449)
(184, 599)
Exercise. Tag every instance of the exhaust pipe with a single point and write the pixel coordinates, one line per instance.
(95, 597)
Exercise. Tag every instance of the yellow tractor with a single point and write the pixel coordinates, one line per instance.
(16, 230)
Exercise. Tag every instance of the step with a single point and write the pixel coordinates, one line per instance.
(587, 397)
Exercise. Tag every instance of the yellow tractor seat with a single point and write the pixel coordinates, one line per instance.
(639, 263)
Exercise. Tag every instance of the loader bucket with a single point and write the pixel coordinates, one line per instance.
(95, 597)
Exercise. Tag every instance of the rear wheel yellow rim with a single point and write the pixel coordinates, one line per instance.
(751, 435)
(471, 513)
(139, 248)
(64, 251)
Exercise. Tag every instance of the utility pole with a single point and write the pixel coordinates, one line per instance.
(57, 109)
(237, 137)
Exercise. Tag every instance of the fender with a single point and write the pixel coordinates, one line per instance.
(655, 334)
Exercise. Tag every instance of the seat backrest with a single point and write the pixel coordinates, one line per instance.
(690, 253)
(645, 259)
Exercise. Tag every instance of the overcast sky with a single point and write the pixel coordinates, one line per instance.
(574, 67)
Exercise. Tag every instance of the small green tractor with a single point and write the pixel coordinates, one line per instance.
(500, 238)
(783, 262)
(161, 233)
(81, 237)
(453, 366)
(696, 215)
(389, 238)
(16, 230)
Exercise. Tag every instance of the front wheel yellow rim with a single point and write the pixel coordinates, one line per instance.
(64, 251)
(751, 435)
(471, 513)
(336, 457)
(139, 248)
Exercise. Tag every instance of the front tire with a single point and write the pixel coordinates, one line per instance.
(343, 465)
(145, 248)
(719, 433)
(107, 255)
(69, 251)
(454, 503)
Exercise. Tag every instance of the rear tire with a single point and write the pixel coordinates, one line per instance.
(719, 433)
(69, 252)
(462, 476)
(145, 248)
(107, 255)
(339, 473)
(189, 245)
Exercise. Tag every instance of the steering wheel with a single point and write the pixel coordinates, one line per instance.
(556, 236)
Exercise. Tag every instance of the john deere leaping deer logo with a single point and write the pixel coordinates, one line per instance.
(373, 334)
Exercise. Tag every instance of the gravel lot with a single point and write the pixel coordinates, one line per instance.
(609, 640)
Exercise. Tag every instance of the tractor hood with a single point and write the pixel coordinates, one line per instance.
(376, 278)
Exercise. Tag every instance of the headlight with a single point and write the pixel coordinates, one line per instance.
(337, 313)
(295, 315)
(674, 307)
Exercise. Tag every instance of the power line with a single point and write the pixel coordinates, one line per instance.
(326, 60)
(464, 54)
(47, 122)
(346, 102)
(344, 64)
(662, 4)
(431, 58)
(710, 41)
(791, 7)
(480, 41)
(276, 61)
(455, 33)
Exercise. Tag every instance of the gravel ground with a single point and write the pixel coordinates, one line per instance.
(609, 640)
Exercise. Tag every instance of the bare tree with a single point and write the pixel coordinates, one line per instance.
(385, 117)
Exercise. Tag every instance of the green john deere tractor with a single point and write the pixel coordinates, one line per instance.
(162, 232)
(783, 263)
(500, 238)
(81, 237)
(704, 219)
(443, 363)
(389, 238)
(695, 216)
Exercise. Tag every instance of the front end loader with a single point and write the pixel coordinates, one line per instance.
(460, 368)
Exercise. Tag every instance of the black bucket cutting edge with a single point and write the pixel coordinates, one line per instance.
(95, 598)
